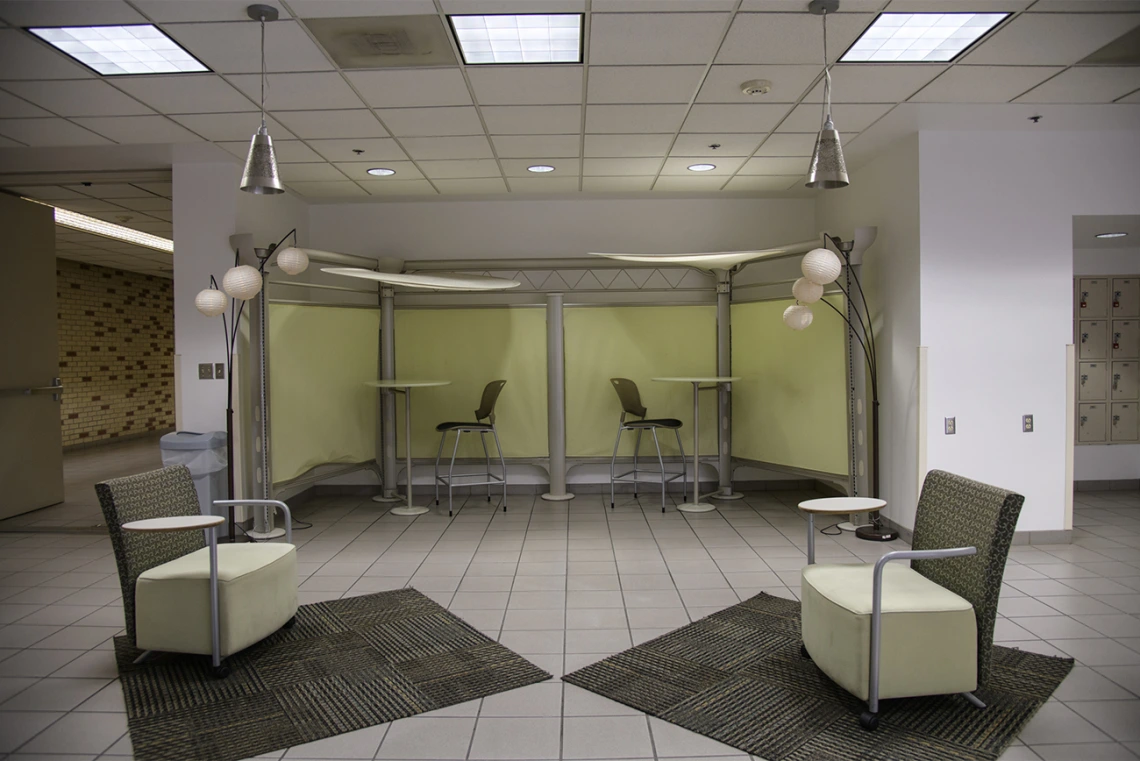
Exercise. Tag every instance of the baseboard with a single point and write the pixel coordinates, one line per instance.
(1117, 484)
(82, 445)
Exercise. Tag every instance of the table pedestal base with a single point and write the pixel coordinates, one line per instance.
(849, 526)
(696, 507)
(263, 535)
(382, 498)
(405, 510)
(558, 497)
(727, 495)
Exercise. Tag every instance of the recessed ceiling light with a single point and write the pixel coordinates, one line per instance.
(379, 171)
(88, 224)
(540, 168)
(114, 50)
(914, 37)
(530, 38)
(1111, 235)
(702, 167)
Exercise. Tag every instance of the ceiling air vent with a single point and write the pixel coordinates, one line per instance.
(377, 42)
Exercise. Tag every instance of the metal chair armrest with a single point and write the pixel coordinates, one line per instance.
(263, 503)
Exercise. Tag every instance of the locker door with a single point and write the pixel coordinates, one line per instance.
(1125, 380)
(1090, 423)
(1092, 343)
(1092, 381)
(1092, 297)
(1125, 297)
(1124, 422)
(1125, 338)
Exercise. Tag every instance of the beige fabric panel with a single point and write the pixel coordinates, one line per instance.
(790, 408)
(470, 348)
(639, 343)
(321, 411)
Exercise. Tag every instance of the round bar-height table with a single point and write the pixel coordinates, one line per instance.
(405, 387)
(696, 506)
(835, 506)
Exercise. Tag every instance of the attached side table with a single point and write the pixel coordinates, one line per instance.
(835, 506)
(696, 506)
(405, 387)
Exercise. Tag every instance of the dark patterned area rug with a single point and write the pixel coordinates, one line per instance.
(737, 676)
(346, 665)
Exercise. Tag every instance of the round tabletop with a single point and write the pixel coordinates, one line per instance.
(843, 505)
(407, 383)
(175, 523)
(702, 379)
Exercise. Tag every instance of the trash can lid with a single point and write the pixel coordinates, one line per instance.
(193, 440)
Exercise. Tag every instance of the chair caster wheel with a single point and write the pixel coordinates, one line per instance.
(437, 503)
(869, 721)
(635, 495)
(611, 505)
(220, 672)
(504, 507)
(662, 509)
(450, 514)
(803, 652)
(488, 499)
(290, 623)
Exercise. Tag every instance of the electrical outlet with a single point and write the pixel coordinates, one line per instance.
(205, 371)
(220, 370)
(1027, 423)
(951, 426)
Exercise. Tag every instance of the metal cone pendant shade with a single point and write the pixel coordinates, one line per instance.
(260, 175)
(828, 170)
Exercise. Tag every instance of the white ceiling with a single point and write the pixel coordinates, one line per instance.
(1087, 227)
(659, 87)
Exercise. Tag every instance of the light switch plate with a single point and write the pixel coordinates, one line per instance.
(951, 426)
(220, 370)
(205, 371)
(1027, 423)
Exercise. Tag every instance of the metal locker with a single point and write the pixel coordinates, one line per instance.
(1125, 338)
(1125, 297)
(1124, 382)
(1125, 424)
(1090, 423)
(1092, 343)
(1092, 381)
(1092, 297)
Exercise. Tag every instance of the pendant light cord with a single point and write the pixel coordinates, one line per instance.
(263, 68)
(826, 76)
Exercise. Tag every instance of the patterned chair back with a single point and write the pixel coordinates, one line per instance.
(163, 493)
(956, 512)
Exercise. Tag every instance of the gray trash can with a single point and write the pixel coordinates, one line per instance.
(205, 455)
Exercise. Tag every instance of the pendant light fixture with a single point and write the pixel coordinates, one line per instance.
(827, 170)
(260, 174)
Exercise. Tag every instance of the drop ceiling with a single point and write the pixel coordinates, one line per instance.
(659, 90)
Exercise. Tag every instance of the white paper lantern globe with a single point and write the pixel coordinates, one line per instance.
(211, 302)
(821, 266)
(242, 282)
(293, 261)
(797, 316)
(807, 292)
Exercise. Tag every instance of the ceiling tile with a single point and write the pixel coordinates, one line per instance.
(791, 165)
(358, 170)
(772, 183)
(526, 85)
(875, 83)
(300, 92)
(960, 6)
(550, 146)
(47, 192)
(1133, 98)
(849, 117)
(788, 144)
(643, 84)
(222, 127)
(619, 167)
(1085, 6)
(109, 190)
(635, 118)
(88, 205)
(361, 8)
(319, 172)
(154, 203)
(343, 189)
(760, 117)
(16, 108)
(660, 6)
(1086, 84)
(164, 11)
(288, 151)
(1051, 39)
(400, 188)
(410, 88)
(458, 169)
(983, 84)
(617, 184)
(54, 132)
(511, 6)
(730, 145)
(627, 146)
(69, 12)
(82, 98)
(432, 122)
(473, 187)
(7, 142)
(679, 165)
(235, 48)
(23, 56)
(186, 94)
(530, 185)
(641, 38)
(374, 149)
(518, 168)
(533, 120)
(788, 83)
(691, 183)
(790, 37)
(464, 147)
(309, 125)
(164, 189)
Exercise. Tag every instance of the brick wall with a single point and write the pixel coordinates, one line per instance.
(116, 352)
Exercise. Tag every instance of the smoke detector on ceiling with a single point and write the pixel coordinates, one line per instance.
(756, 87)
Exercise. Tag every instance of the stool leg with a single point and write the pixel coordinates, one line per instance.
(438, 454)
(613, 461)
(451, 472)
(661, 462)
(684, 465)
(636, 447)
(502, 464)
(487, 459)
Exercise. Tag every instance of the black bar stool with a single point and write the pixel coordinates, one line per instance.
(631, 405)
(486, 412)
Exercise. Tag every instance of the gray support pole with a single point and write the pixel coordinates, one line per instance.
(258, 451)
(388, 396)
(556, 399)
(724, 392)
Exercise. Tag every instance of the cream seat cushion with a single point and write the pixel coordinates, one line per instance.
(929, 634)
(257, 594)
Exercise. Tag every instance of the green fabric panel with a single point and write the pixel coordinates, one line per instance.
(790, 408)
(319, 360)
(639, 343)
(470, 348)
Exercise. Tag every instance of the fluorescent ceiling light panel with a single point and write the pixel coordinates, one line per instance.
(114, 50)
(531, 38)
(1111, 235)
(920, 37)
(88, 224)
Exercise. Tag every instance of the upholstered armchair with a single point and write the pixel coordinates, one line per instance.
(935, 619)
(183, 593)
